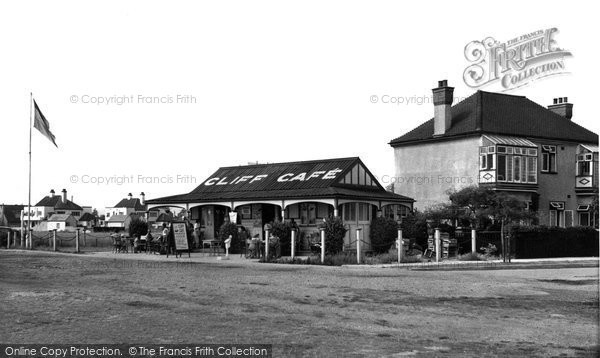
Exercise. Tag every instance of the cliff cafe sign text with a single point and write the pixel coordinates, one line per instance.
(514, 63)
(288, 177)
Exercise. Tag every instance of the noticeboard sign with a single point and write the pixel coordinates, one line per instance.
(180, 236)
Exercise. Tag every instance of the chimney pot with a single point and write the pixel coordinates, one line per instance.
(442, 101)
(562, 107)
(51, 193)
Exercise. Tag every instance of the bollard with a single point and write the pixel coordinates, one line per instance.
(437, 245)
(84, 237)
(358, 245)
(54, 240)
(293, 233)
(322, 245)
(400, 246)
(473, 240)
(267, 246)
(77, 241)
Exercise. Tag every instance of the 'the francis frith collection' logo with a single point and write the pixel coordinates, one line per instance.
(514, 63)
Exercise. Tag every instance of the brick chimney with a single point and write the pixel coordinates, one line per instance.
(52, 193)
(442, 101)
(562, 107)
(142, 198)
(129, 196)
(64, 195)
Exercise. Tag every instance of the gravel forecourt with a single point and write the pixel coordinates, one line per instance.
(304, 311)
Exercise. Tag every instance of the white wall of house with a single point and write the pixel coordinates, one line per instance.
(426, 171)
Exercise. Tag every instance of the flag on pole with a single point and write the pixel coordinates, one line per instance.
(41, 124)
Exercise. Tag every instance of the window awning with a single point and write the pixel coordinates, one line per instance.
(514, 141)
(591, 148)
(583, 207)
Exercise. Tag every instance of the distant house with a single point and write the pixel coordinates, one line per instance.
(62, 222)
(121, 221)
(127, 206)
(49, 205)
(10, 215)
(87, 220)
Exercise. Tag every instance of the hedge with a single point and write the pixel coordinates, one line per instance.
(543, 242)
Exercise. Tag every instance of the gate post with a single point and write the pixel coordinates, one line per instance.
(358, 253)
(322, 245)
(266, 245)
(473, 240)
(293, 233)
(54, 240)
(400, 246)
(437, 245)
(77, 241)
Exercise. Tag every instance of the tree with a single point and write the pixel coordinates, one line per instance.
(506, 209)
(138, 227)
(334, 234)
(383, 233)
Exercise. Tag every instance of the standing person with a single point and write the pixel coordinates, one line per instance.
(243, 238)
(165, 238)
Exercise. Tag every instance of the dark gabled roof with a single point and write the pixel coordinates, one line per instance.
(223, 185)
(12, 214)
(56, 203)
(497, 113)
(165, 217)
(133, 203)
(87, 217)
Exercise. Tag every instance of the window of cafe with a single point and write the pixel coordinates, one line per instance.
(307, 213)
(353, 212)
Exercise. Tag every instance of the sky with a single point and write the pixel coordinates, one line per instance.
(155, 96)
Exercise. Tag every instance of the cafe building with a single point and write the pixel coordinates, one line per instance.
(304, 192)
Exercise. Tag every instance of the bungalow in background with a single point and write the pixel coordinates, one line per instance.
(304, 192)
(505, 142)
(62, 222)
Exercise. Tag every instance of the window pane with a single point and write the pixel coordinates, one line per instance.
(482, 162)
(552, 162)
(532, 170)
(361, 175)
(517, 169)
(501, 167)
(509, 168)
(544, 162)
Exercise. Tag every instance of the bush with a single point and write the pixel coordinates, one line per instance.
(415, 225)
(334, 235)
(472, 256)
(138, 227)
(283, 230)
(543, 241)
(229, 228)
(384, 231)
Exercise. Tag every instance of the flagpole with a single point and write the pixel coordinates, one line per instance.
(28, 241)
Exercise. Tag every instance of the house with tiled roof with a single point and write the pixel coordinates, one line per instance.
(128, 206)
(61, 222)
(49, 205)
(508, 143)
